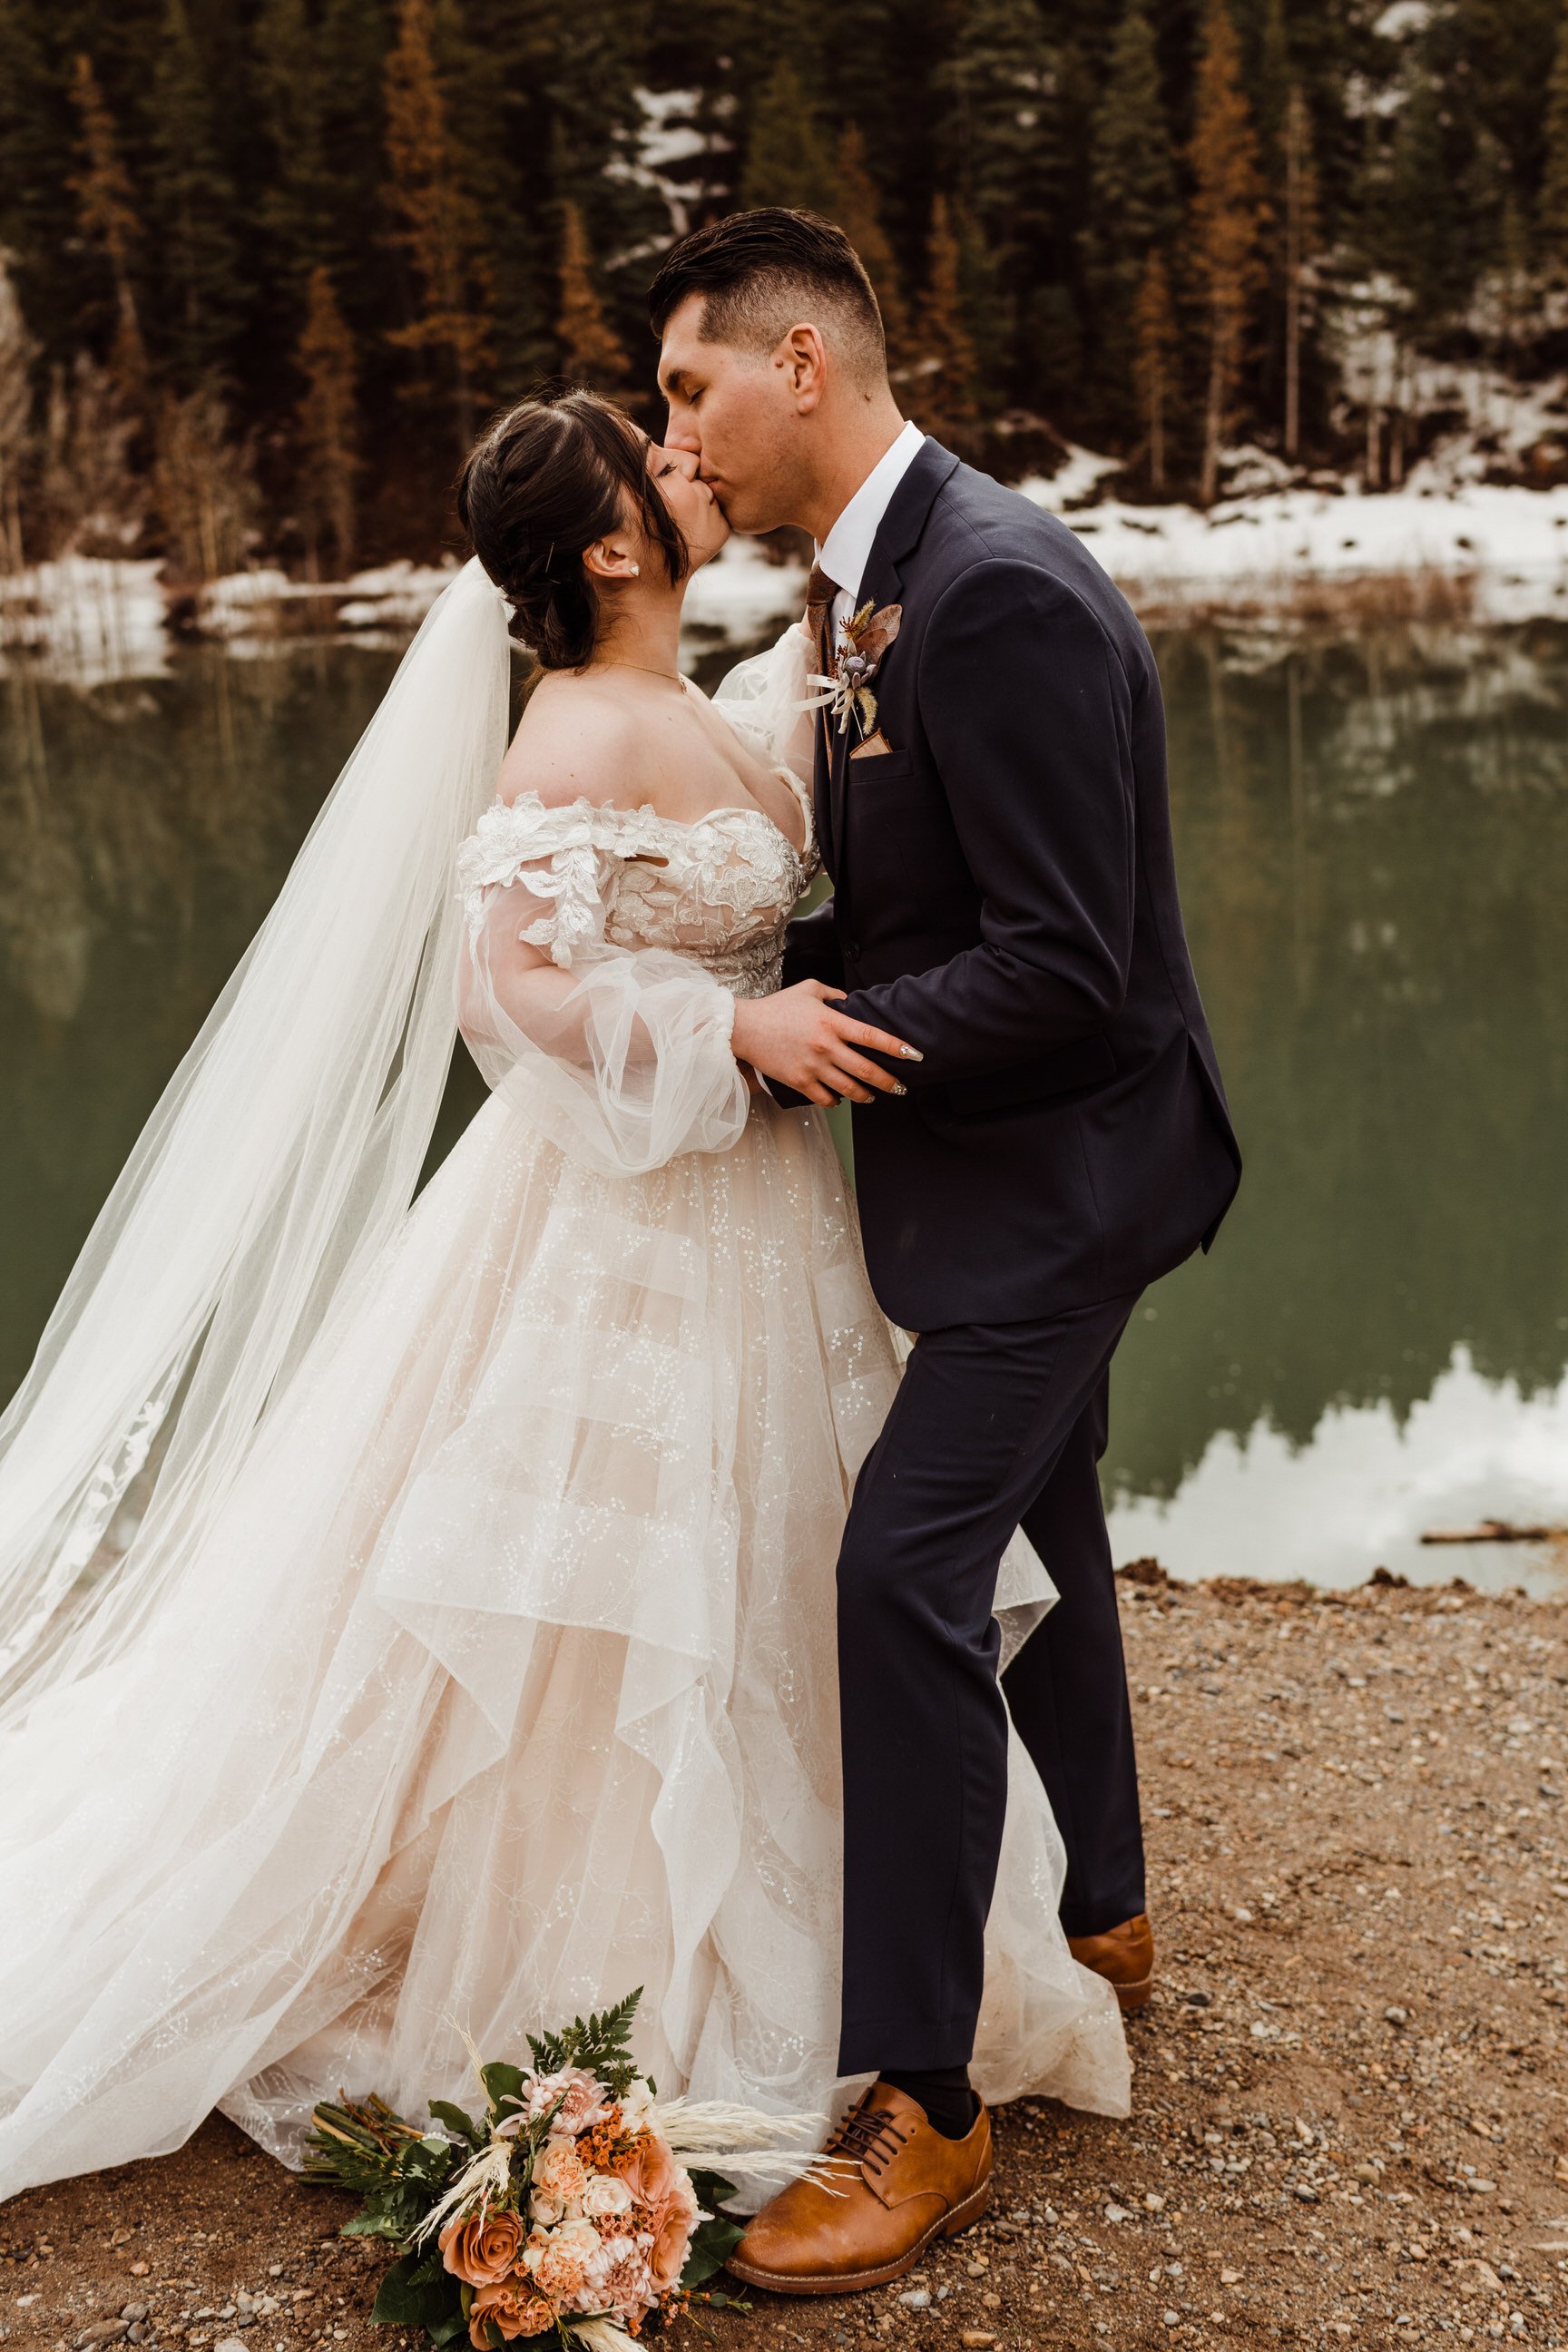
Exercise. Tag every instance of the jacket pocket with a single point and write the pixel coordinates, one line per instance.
(877, 768)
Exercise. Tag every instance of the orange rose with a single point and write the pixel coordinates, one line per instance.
(649, 2171)
(512, 2307)
(662, 2188)
(481, 2248)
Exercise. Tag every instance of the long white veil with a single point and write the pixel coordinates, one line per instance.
(283, 1151)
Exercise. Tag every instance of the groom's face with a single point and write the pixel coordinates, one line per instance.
(738, 414)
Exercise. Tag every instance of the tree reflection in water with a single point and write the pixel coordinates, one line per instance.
(1373, 830)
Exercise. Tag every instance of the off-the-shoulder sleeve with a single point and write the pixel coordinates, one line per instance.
(621, 1055)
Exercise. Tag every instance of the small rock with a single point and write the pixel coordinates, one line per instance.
(917, 2298)
(1198, 1999)
(102, 2331)
(231, 2343)
(1155, 2202)
(1305, 2191)
(274, 2270)
(139, 2269)
(1171, 2318)
(975, 2338)
(1397, 2016)
(132, 2311)
(1116, 2213)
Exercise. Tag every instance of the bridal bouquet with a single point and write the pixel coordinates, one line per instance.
(580, 2206)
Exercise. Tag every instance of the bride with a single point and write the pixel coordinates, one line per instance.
(417, 1619)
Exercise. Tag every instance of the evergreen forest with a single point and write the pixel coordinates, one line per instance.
(269, 264)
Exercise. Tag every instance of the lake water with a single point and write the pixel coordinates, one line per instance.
(1373, 830)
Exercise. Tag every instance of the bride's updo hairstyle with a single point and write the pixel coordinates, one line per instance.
(546, 480)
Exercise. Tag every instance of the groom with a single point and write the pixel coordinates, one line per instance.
(1005, 899)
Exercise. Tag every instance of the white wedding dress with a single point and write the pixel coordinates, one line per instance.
(505, 1679)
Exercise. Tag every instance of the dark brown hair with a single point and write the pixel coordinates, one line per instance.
(542, 483)
(759, 272)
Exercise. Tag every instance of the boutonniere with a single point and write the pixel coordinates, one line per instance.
(847, 690)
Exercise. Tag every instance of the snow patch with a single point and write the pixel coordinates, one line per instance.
(739, 596)
(90, 619)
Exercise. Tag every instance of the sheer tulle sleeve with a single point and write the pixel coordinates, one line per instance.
(768, 698)
(621, 1055)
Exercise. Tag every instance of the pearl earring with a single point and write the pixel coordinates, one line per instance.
(636, 571)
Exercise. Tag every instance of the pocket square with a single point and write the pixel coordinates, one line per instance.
(873, 747)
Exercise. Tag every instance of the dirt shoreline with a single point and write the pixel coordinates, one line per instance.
(1350, 2117)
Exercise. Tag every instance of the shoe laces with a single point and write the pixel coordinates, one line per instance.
(868, 2135)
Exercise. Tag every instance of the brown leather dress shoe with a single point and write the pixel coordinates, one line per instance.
(1123, 1956)
(896, 2185)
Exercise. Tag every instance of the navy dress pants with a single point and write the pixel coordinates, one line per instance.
(993, 1426)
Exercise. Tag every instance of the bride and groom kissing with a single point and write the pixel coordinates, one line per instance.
(567, 1579)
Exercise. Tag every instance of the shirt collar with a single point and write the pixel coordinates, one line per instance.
(845, 551)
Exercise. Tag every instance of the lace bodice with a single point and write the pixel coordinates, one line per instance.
(718, 891)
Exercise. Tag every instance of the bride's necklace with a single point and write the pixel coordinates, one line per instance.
(676, 676)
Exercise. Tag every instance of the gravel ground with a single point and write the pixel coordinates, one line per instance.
(1351, 2118)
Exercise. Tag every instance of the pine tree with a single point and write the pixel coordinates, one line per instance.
(92, 495)
(589, 353)
(438, 224)
(1417, 220)
(1155, 346)
(945, 386)
(194, 204)
(1301, 238)
(856, 210)
(1001, 153)
(326, 428)
(107, 215)
(1131, 208)
(787, 157)
(18, 353)
(56, 281)
(1272, 85)
(1227, 216)
(999, 88)
(1552, 210)
(298, 206)
(204, 485)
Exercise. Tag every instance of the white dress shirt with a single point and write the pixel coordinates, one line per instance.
(845, 551)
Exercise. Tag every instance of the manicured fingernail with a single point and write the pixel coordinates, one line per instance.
(901, 1090)
(911, 1055)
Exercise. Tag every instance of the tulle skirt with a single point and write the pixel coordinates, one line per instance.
(504, 1683)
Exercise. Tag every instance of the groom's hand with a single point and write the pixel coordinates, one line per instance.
(796, 1038)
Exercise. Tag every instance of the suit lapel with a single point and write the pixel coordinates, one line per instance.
(881, 583)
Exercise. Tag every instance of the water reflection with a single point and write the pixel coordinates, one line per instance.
(1372, 834)
(1371, 831)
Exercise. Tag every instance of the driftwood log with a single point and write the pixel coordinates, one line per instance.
(1494, 1531)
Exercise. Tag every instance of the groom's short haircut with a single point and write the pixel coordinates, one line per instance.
(760, 273)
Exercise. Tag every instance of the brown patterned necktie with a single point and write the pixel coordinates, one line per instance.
(820, 592)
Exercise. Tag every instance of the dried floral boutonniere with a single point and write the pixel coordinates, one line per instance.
(863, 641)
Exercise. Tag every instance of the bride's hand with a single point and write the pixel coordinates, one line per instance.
(796, 1038)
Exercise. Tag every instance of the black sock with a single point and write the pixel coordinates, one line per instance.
(944, 2091)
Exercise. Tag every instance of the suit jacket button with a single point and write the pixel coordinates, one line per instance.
(852, 948)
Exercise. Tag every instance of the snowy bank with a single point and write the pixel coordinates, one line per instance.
(1281, 546)
(1509, 545)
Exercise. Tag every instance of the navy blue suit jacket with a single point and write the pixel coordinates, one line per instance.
(1004, 898)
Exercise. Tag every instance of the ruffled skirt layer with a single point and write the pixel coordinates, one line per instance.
(505, 1683)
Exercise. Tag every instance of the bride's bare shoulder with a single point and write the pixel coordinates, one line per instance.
(575, 742)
